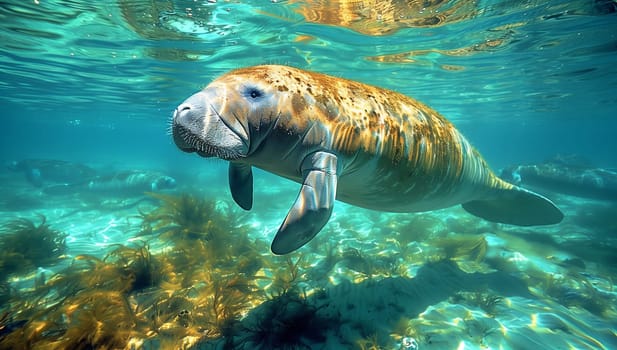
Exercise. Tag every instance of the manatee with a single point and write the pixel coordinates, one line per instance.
(341, 139)
(132, 180)
(127, 182)
(572, 179)
(40, 172)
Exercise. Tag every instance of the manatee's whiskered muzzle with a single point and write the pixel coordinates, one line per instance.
(183, 127)
(197, 126)
(181, 138)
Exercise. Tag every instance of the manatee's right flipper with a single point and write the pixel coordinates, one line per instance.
(241, 184)
(516, 206)
(313, 207)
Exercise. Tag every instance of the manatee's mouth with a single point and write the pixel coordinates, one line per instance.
(188, 142)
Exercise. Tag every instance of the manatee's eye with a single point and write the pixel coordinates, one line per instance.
(253, 92)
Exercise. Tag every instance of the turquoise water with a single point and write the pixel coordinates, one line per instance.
(87, 91)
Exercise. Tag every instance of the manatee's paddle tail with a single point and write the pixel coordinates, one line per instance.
(241, 184)
(314, 204)
(516, 206)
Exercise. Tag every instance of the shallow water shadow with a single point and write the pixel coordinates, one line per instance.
(351, 311)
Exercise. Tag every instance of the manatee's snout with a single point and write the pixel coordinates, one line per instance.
(178, 131)
(203, 124)
(188, 120)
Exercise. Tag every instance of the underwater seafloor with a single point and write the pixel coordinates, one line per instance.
(186, 268)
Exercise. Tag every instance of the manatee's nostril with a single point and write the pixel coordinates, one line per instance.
(183, 108)
(182, 112)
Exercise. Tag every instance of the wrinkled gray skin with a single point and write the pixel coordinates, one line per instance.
(343, 140)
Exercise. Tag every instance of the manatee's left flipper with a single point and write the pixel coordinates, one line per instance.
(313, 206)
(241, 184)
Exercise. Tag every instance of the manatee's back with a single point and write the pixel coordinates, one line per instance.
(424, 150)
(399, 154)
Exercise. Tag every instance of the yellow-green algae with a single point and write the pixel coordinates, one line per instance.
(208, 283)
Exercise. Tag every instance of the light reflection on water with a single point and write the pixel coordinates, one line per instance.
(493, 54)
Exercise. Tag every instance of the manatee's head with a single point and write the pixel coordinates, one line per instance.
(163, 183)
(228, 118)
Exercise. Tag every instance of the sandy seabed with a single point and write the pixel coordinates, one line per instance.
(188, 269)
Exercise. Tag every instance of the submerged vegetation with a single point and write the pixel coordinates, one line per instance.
(485, 300)
(576, 290)
(464, 247)
(198, 276)
(288, 321)
(25, 245)
(198, 286)
(188, 216)
(420, 228)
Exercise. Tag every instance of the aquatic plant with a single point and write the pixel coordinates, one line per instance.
(502, 263)
(197, 298)
(485, 300)
(288, 321)
(99, 319)
(371, 265)
(401, 270)
(82, 306)
(181, 216)
(419, 228)
(354, 259)
(286, 276)
(480, 329)
(202, 231)
(488, 302)
(227, 299)
(199, 288)
(137, 267)
(369, 343)
(8, 325)
(87, 274)
(577, 291)
(408, 333)
(212, 309)
(462, 247)
(196, 263)
(89, 320)
(171, 318)
(86, 305)
(25, 245)
(124, 269)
